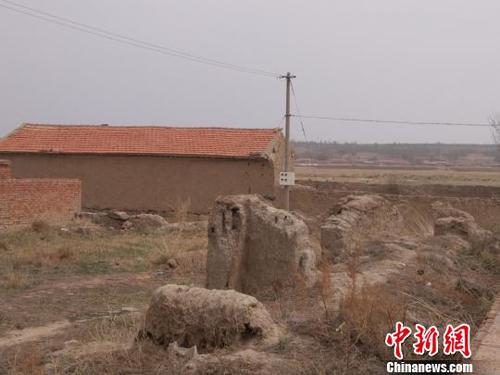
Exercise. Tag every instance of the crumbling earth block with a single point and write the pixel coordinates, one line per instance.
(451, 221)
(356, 217)
(207, 319)
(253, 246)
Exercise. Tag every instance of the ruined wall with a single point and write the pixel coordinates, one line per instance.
(358, 217)
(252, 246)
(322, 200)
(151, 183)
(24, 200)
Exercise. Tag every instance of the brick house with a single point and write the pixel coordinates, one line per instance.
(149, 168)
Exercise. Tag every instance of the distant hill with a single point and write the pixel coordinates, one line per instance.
(397, 154)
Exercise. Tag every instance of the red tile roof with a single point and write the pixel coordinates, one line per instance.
(139, 140)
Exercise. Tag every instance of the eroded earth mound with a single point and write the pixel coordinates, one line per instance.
(207, 319)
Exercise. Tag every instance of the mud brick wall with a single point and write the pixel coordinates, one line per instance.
(23, 201)
(151, 183)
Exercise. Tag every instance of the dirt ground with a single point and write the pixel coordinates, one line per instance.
(401, 176)
(60, 285)
(73, 299)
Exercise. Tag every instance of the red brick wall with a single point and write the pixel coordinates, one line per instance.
(24, 200)
(4, 169)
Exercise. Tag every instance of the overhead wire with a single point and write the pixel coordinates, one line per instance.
(281, 122)
(298, 111)
(390, 122)
(120, 38)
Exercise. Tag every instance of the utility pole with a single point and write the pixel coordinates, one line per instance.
(286, 178)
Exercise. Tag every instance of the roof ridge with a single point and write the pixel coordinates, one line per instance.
(13, 131)
(111, 126)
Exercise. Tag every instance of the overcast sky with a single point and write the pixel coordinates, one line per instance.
(419, 60)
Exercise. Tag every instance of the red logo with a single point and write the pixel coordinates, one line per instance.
(396, 339)
(455, 340)
(427, 340)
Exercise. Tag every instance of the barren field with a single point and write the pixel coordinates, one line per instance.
(401, 176)
(81, 289)
(74, 297)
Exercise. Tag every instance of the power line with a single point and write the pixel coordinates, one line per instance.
(393, 122)
(120, 38)
(298, 112)
(279, 124)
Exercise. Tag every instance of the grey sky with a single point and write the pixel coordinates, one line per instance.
(418, 60)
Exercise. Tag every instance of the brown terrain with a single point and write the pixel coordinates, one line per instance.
(360, 255)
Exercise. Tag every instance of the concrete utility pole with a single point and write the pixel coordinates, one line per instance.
(287, 179)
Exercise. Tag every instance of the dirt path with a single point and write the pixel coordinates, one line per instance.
(87, 282)
(73, 299)
(31, 334)
(49, 322)
(487, 351)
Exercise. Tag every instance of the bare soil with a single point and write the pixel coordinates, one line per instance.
(406, 176)
(72, 301)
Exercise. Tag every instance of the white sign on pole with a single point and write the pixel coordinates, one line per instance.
(287, 178)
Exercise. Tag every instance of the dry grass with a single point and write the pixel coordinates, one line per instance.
(325, 287)
(167, 250)
(33, 254)
(103, 340)
(353, 261)
(13, 280)
(46, 254)
(182, 210)
(174, 246)
(369, 314)
(27, 363)
(395, 177)
(322, 336)
(141, 358)
(120, 329)
(42, 255)
(40, 226)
